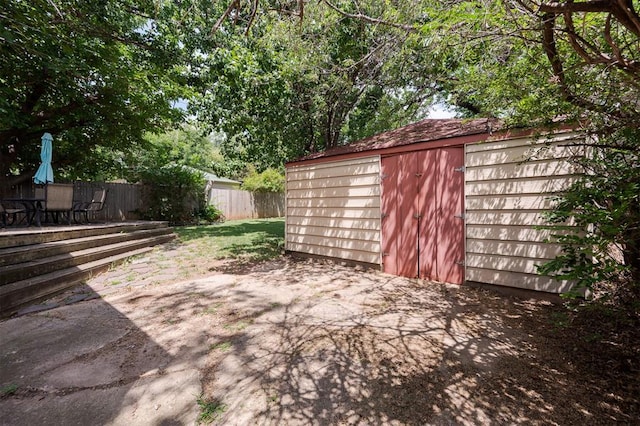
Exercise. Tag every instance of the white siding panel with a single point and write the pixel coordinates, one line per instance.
(504, 263)
(509, 233)
(355, 169)
(335, 233)
(511, 248)
(518, 280)
(520, 186)
(343, 243)
(510, 202)
(333, 209)
(367, 181)
(517, 171)
(339, 203)
(362, 213)
(517, 217)
(567, 138)
(505, 199)
(338, 253)
(519, 154)
(334, 223)
(343, 192)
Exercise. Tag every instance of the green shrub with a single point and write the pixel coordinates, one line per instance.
(175, 193)
(269, 180)
(602, 250)
(211, 214)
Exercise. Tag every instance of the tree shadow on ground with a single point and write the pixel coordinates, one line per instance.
(422, 353)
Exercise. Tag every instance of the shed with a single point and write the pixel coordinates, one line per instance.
(446, 200)
(217, 182)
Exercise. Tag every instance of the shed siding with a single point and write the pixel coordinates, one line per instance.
(333, 209)
(508, 185)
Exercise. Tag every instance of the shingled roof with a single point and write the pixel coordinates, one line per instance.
(421, 131)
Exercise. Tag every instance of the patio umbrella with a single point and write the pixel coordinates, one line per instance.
(45, 172)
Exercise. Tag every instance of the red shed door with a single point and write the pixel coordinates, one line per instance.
(399, 210)
(450, 215)
(422, 206)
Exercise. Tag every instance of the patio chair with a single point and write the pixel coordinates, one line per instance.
(58, 199)
(10, 210)
(95, 205)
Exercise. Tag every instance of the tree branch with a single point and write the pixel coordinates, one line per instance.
(254, 10)
(233, 5)
(551, 50)
(369, 19)
(623, 10)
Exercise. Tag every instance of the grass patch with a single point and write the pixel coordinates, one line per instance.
(210, 410)
(213, 309)
(222, 346)
(252, 239)
(237, 326)
(8, 390)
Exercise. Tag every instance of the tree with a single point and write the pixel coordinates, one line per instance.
(592, 49)
(96, 75)
(291, 89)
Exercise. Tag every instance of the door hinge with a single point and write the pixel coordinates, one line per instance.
(460, 169)
(383, 215)
(384, 253)
(383, 175)
(460, 216)
(461, 263)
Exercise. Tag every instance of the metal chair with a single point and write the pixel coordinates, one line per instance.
(12, 212)
(58, 199)
(95, 205)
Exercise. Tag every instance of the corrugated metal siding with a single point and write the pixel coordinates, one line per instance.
(506, 192)
(333, 209)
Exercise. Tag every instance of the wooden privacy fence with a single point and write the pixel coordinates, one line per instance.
(124, 200)
(238, 204)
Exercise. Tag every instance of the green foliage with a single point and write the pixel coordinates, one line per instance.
(9, 389)
(211, 214)
(186, 145)
(210, 410)
(269, 180)
(291, 89)
(175, 193)
(601, 250)
(96, 75)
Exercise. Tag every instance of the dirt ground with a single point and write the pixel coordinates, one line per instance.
(302, 342)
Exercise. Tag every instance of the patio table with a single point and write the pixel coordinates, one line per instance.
(32, 205)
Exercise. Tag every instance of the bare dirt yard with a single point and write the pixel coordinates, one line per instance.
(164, 340)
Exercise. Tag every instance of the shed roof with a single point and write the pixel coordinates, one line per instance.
(213, 178)
(421, 131)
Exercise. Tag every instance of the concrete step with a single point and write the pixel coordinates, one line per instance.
(22, 271)
(16, 255)
(21, 293)
(30, 236)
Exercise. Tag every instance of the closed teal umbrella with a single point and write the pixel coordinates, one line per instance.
(45, 172)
